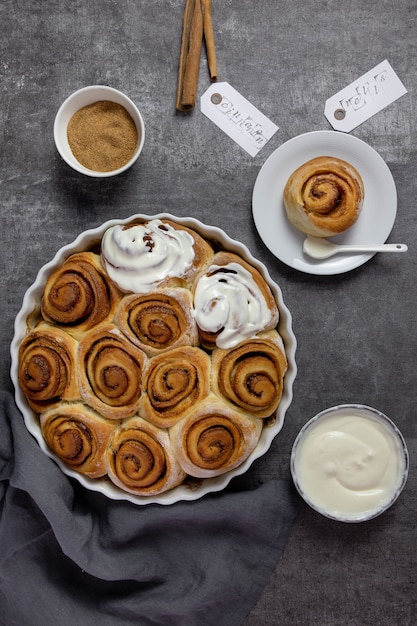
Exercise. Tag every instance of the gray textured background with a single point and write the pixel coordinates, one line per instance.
(356, 332)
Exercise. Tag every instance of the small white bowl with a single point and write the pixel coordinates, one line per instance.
(81, 98)
(349, 463)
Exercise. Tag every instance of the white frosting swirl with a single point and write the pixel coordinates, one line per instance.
(349, 465)
(227, 299)
(140, 257)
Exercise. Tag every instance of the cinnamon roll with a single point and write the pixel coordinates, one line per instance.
(78, 436)
(140, 460)
(214, 439)
(324, 196)
(78, 296)
(139, 257)
(250, 376)
(110, 372)
(232, 302)
(174, 382)
(46, 370)
(158, 321)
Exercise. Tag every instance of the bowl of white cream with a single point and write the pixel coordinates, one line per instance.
(350, 463)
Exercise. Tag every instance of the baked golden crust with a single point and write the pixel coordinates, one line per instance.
(78, 295)
(213, 439)
(324, 196)
(174, 383)
(78, 436)
(158, 321)
(110, 372)
(140, 459)
(250, 376)
(47, 367)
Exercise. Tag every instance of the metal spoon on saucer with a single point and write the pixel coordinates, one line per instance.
(321, 248)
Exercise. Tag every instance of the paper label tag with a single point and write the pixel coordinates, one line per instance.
(237, 117)
(366, 96)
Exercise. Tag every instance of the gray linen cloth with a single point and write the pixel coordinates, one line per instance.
(70, 556)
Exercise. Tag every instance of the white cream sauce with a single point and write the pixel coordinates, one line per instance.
(227, 299)
(349, 466)
(140, 257)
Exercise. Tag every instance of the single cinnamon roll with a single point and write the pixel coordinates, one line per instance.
(78, 436)
(250, 376)
(78, 295)
(110, 372)
(324, 196)
(174, 382)
(158, 321)
(140, 460)
(214, 439)
(232, 302)
(141, 256)
(46, 372)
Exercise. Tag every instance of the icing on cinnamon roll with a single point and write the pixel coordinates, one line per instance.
(232, 302)
(141, 256)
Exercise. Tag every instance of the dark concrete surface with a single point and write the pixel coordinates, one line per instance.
(356, 332)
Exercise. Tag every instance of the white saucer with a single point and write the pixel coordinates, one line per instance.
(376, 218)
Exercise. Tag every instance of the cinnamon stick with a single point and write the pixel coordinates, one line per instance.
(209, 39)
(189, 66)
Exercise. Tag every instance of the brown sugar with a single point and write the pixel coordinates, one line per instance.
(102, 136)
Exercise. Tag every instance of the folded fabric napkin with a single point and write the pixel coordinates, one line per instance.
(71, 556)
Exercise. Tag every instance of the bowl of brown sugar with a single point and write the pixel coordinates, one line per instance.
(99, 131)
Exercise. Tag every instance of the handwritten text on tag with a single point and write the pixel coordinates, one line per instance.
(366, 96)
(237, 117)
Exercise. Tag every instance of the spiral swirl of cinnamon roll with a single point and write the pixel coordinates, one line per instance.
(158, 321)
(78, 436)
(110, 371)
(250, 376)
(77, 295)
(140, 460)
(47, 367)
(324, 196)
(174, 382)
(214, 439)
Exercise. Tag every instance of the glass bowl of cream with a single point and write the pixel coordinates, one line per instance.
(349, 463)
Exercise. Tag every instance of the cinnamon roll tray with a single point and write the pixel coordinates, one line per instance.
(156, 384)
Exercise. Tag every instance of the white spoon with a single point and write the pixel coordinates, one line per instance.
(321, 248)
